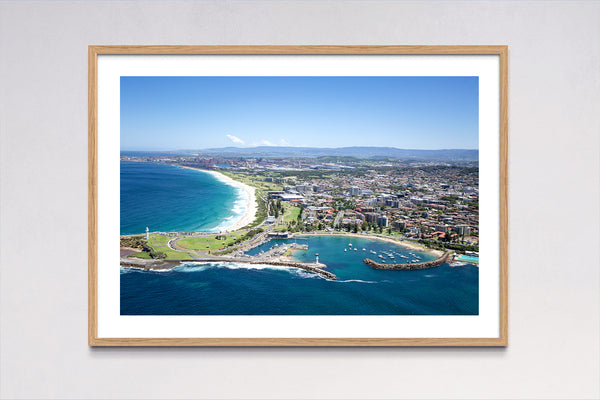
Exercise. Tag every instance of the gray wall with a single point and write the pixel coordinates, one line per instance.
(554, 203)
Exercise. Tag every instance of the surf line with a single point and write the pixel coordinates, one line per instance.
(170, 264)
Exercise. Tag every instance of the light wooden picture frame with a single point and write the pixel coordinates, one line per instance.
(107, 326)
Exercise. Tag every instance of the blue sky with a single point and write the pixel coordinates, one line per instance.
(177, 113)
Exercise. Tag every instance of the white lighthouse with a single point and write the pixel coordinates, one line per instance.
(147, 230)
(317, 257)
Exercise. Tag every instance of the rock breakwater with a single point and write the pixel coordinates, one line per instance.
(446, 257)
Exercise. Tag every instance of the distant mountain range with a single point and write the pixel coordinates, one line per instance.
(359, 152)
(356, 151)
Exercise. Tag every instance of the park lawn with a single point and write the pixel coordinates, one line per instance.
(141, 254)
(253, 180)
(208, 242)
(291, 214)
(160, 244)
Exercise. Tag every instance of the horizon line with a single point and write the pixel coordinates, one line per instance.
(292, 147)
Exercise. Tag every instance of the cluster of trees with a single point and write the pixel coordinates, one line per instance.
(157, 254)
(343, 204)
(296, 225)
(450, 199)
(138, 242)
(261, 211)
(461, 248)
(276, 207)
(247, 236)
(372, 226)
(135, 242)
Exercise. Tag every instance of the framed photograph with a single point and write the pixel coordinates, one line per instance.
(298, 196)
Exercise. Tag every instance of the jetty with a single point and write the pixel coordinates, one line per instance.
(446, 257)
(164, 265)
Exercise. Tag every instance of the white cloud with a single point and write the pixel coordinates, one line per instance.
(265, 142)
(284, 143)
(235, 139)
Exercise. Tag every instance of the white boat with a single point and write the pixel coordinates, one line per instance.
(345, 249)
(380, 256)
(350, 244)
(364, 249)
(355, 249)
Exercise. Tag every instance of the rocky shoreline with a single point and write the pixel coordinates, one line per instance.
(165, 265)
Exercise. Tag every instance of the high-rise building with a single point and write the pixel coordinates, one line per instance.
(441, 228)
(371, 217)
(463, 230)
(399, 225)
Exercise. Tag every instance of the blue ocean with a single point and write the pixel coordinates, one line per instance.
(243, 289)
(168, 198)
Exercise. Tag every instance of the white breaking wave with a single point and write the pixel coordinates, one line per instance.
(126, 270)
(356, 280)
(203, 266)
(240, 205)
(458, 264)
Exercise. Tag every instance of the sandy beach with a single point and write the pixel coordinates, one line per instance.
(251, 207)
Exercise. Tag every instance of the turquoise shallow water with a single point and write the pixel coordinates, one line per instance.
(170, 199)
(242, 289)
(468, 258)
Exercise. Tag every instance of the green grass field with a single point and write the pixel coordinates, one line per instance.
(208, 242)
(160, 243)
(291, 214)
(141, 254)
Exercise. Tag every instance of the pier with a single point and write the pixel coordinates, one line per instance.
(446, 257)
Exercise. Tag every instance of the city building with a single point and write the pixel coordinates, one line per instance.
(463, 230)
